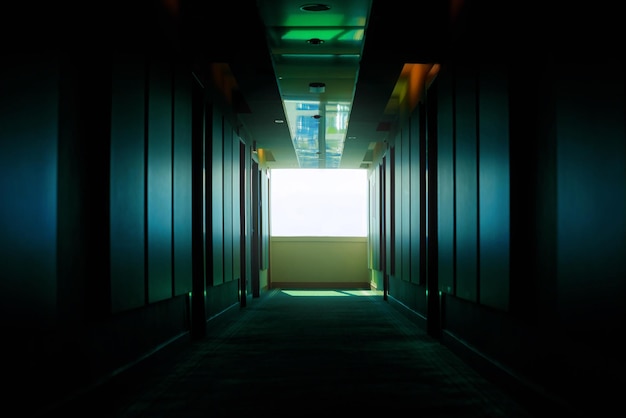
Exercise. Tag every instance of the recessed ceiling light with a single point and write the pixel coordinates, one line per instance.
(279, 121)
(317, 87)
(314, 7)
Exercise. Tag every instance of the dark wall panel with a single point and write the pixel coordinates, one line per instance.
(220, 298)
(127, 184)
(246, 222)
(182, 182)
(83, 252)
(466, 189)
(414, 196)
(445, 183)
(405, 186)
(387, 211)
(397, 207)
(201, 266)
(28, 186)
(237, 201)
(228, 208)
(216, 199)
(494, 190)
(159, 182)
(591, 202)
(526, 230)
(391, 211)
(409, 294)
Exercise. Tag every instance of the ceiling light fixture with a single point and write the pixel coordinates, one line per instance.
(317, 87)
(314, 7)
(315, 41)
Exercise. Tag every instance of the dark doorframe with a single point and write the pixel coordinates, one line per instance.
(428, 115)
(383, 227)
(255, 264)
(386, 210)
(243, 243)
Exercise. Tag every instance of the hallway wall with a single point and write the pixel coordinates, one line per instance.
(528, 259)
(105, 250)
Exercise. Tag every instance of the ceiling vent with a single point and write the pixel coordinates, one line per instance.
(314, 7)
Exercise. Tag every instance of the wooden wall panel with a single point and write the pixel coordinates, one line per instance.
(388, 162)
(591, 202)
(215, 201)
(446, 185)
(29, 151)
(494, 191)
(182, 182)
(236, 208)
(397, 207)
(391, 211)
(159, 182)
(405, 201)
(414, 195)
(127, 187)
(228, 202)
(466, 188)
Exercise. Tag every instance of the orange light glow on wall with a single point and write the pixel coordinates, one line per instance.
(411, 86)
(224, 80)
(173, 6)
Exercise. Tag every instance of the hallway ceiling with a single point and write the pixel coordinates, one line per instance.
(352, 55)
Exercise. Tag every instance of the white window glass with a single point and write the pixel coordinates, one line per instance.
(318, 202)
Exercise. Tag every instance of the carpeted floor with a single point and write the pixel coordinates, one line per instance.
(309, 353)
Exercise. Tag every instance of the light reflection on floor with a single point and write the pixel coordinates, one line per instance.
(337, 292)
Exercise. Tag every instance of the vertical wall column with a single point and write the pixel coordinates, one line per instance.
(198, 286)
(432, 243)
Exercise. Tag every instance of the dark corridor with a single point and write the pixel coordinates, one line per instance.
(305, 353)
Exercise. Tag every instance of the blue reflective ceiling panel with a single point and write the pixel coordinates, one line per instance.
(318, 131)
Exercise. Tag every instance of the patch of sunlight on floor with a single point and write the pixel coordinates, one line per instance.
(364, 292)
(332, 292)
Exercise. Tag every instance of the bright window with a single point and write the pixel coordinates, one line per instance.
(318, 202)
